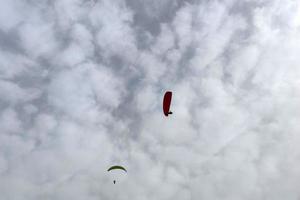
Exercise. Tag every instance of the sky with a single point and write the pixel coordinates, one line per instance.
(82, 84)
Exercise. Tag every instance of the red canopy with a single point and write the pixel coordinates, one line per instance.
(167, 103)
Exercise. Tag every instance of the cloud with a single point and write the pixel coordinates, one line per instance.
(82, 83)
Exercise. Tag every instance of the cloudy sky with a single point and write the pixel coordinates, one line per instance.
(81, 88)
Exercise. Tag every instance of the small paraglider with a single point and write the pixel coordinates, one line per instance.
(116, 167)
(167, 103)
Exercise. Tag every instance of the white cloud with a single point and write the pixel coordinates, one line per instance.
(12, 65)
(13, 93)
(112, 20)
(11, 14)
(82, 92)
(10, 122)
(88, 89)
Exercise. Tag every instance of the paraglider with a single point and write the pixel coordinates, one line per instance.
(116, 167)
(167, 103)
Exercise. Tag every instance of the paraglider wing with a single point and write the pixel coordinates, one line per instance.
(167, 103)
(117, 167)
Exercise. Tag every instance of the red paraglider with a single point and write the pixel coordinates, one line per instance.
(167, 103)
